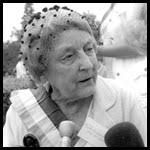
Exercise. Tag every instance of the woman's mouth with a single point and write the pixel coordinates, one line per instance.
(85, 80)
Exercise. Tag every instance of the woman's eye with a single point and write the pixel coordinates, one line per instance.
(89, 50)
(68, 57)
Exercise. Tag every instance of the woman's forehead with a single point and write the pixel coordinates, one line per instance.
(73, 39)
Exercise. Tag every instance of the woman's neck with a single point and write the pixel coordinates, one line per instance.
(73, 108)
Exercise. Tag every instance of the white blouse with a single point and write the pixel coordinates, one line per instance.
(111, 104)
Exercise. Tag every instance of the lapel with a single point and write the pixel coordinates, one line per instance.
(98, 119)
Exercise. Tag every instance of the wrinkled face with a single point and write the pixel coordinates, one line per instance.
(72, 67)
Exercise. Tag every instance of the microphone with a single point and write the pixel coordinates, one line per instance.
(123, 135)
(67, 130)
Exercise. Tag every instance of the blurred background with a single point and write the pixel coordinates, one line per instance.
(111, 23)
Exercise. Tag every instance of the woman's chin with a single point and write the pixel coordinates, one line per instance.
(86, 92)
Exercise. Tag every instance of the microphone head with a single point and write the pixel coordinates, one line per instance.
(123, 135)
(67, 128)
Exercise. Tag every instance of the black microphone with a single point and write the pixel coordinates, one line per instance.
(124, 134)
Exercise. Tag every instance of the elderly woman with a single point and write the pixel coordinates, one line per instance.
(59, 49)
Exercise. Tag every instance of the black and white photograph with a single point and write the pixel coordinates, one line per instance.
(74, 74)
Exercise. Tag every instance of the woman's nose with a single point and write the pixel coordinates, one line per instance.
(85, 62)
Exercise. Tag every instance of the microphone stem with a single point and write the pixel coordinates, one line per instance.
(66, 141)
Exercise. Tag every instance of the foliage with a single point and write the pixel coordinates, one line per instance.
(17, 34)
(11, 49)
(11, 83)
(6, 104)
(28, 12)
(10, 54)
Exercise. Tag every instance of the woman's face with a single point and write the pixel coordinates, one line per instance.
(72, 67)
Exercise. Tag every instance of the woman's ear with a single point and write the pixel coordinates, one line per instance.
(42, 80)
(48, 87)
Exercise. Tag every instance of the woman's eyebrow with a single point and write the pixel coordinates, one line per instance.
(64, 49)
(90, 41)
(67, 48)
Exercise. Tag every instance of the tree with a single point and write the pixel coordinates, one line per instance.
(10, 54)
(28, 12)
(11, 49)
(16, 33)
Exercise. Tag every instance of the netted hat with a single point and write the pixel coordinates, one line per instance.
(40, 34)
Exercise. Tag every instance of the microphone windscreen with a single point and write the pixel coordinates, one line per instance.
(67, 128)
(123, 135)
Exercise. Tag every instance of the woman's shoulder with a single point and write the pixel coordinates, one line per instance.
(12, 116)
(108, 83)
(112, 90)
(26, 94)
(114, 86)
(24, 98)
(14, 129)
(19, 94)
